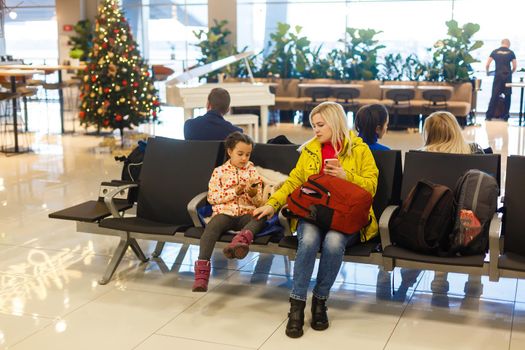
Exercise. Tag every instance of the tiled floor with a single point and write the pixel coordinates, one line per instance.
(50, 298)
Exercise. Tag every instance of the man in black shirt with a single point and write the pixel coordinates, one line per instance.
(503, 57)
(211, 126)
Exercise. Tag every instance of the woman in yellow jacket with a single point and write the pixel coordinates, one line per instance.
(356, 164)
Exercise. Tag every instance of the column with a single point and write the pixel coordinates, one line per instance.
(224, 10)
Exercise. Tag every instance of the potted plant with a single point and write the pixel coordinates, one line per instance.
(452, 58)
(81, 42)
(290, 53)
(359, 58)
(214, 45)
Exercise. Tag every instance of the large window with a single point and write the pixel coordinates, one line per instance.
(31, 32)
(409, 26)
(166, 29)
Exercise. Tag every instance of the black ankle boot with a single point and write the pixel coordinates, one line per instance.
(319, 315)
(294, 327)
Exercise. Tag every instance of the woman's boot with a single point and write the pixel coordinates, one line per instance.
(294, 327)
(239, 246)
(319, 315)
(202, 276)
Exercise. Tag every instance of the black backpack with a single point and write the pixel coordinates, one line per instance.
(476, 195)
(425, 218)
(132, 167)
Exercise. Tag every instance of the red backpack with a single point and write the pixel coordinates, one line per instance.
(331, 203)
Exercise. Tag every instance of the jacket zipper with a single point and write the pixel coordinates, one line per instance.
(238, 197)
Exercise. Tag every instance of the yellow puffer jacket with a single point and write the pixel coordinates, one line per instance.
(360, 169)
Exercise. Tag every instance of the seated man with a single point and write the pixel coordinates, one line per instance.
(212, 125)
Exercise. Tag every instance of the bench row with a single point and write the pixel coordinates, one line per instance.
(175, 175)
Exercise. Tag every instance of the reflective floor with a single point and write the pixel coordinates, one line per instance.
(50, 298)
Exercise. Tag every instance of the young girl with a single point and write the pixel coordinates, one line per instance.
(371, 122)
(234, 191)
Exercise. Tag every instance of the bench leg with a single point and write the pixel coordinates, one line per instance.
(136, 249)
(182, 254)
(115, 261)
(158, 249)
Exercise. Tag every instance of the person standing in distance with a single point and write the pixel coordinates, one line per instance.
(503, 58)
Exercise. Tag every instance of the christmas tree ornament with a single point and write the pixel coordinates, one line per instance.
(112, 70)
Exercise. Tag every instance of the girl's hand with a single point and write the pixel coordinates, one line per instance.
(265, 210)
(252, 189)
(335, 170)
(240, 189)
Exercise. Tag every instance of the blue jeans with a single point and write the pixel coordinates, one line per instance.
(333, 248)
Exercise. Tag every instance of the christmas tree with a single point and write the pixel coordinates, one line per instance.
(117, 91)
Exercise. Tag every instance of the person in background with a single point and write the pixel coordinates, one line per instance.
(442, 133)
(352, 161)
(503, 57)
(212, 125)
(234, 191)
(371, 122)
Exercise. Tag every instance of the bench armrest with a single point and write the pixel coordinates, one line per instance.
(494, 246)
(108, 198)
(384, 220)
(195, 203)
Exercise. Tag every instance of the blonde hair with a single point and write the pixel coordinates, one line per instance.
(442, 133)
(335, 117)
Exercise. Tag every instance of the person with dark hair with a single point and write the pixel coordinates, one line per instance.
(371, 122)
(234, 191)
(503, 57)
(212, 125)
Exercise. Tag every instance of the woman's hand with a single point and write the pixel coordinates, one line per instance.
(265, 210)
(335, 170)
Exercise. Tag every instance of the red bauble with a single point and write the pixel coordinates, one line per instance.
(124, 83)
(105, 122)
(115, 31)
(93, 78)
(104, 45)
(135, 84)
(154, 113)
(81, 114)
(107, 90)
(118, 118)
